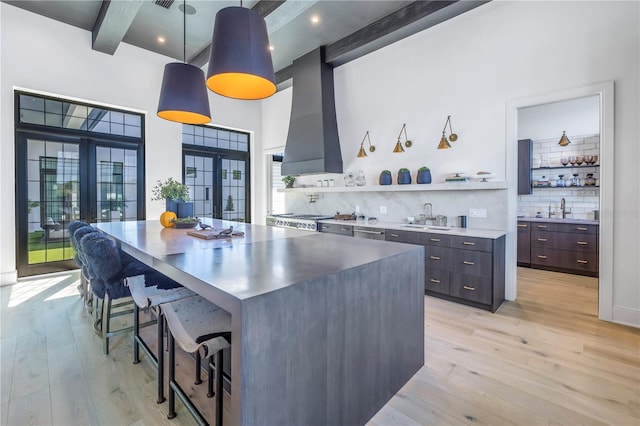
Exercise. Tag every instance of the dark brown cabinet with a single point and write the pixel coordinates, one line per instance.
(564, 247)
(525, 147)
(468, 270)
(524, 243)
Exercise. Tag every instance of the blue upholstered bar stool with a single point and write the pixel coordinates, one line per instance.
(77, 230)
(149, 292)
(198, 326)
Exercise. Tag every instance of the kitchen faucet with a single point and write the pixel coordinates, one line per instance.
(562, 207)
(428, 212)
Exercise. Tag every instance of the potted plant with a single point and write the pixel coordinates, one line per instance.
(424, 175)
(404, 176)
(174, 193)
(385, 177)
(288, 181)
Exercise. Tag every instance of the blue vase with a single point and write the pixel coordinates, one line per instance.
(171, 206)
(404, 178)
(385, 178)
(185, 210)
(424, 176)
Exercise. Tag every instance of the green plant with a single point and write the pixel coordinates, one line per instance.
(288, 180)
(170, 188)
(404, 170)
(423, 169)
(32, 205)
(386, 172)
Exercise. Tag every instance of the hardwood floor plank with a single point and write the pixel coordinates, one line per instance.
(30, 409)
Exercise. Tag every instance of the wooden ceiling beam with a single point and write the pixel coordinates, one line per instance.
(112, 24)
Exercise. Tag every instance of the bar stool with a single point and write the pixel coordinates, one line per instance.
(149, 291)
(72, 228)
(79, 259)
(198, 326)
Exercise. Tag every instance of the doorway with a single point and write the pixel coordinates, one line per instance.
(605, 93)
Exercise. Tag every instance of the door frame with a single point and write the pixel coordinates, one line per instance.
(605, 91)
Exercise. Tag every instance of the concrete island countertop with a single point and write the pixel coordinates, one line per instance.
(559, 220)
(445, 230)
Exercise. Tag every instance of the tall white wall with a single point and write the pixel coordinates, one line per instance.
(471, 67)
(41, 54)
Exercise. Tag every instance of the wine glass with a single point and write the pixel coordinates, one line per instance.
(564, 160)
(572, 160)
(595, 159)
(579, 160)
(588, 159)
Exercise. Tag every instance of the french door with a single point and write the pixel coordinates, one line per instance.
(60, 179)
(218, 185)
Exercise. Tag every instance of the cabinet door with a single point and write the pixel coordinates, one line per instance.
(436, 280)
(474, 263)
(438, 257)
(524, 166)
(524, 243)
(581, 243)
(543, 239)
(476, 289)
(410, 237)
(471, 243)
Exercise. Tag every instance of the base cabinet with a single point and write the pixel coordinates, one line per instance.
(466, 270)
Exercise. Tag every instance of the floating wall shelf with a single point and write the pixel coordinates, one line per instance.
(456, 186)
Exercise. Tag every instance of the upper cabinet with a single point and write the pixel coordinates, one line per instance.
(525, 147)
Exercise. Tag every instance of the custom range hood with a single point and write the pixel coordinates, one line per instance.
(312, 143)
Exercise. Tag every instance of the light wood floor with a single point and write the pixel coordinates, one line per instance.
(545, 359)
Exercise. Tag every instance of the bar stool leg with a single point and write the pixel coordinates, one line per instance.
(136, 334)
(160, 358)
(210, 380)
(106, 320)
(198, 369)
(219, 391)
(172, 376)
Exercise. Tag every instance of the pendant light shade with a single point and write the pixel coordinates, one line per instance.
(564, 140)
(183, 97)
(444, 143)
(240, 65)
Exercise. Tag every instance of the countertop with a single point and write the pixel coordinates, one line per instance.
(559, 220)
(446, 230)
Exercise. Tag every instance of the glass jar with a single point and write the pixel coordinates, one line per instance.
(561, 181)
(575, 180)
(361, 180)
(348, 179)
(590, 180)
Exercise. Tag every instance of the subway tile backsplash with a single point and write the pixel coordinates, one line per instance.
(580, 201)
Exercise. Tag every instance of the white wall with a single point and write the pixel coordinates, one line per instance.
(471, 67)
(577, 116)
(45, 55)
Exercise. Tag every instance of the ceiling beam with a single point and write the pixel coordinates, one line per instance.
(112, 24)
(414, 17)
(264, 7)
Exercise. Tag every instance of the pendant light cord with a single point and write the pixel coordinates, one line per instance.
(184, 31)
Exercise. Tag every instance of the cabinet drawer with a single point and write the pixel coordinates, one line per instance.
(337, 229)
(477, 264)
(583, 243)
(567, 260)
(471, 243)
(577, 228)
(436, 280)
(438, 257)
(543, 226)
(543, 239)
(544, 256)
(402, 236)
(472, 288)
(430, 239)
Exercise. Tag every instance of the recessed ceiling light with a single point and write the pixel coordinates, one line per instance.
(271, 48)
(161, 39)
(315, 19)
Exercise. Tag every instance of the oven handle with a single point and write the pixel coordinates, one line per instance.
(369, 232)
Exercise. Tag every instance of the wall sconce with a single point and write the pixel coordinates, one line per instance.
(407, 142)
(444, 143)
(362, 153)
(564, 140)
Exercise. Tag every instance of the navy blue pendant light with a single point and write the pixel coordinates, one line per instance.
(240, 65)
(183, 96)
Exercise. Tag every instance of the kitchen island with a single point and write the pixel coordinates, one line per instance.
(324, 330)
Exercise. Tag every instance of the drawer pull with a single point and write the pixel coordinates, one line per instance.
(467, 243)
(582, 243)
(522, 225)
(394, 235)
(581, 228)
(434, 257)
(542, 226)
(541, 256)
(466, 262)
(437, 240)
(542, 239)
(584, 262)
(466, 287)
(434, 281)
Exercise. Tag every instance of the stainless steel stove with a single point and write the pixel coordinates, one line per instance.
(308, 222)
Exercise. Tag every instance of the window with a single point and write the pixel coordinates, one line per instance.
(276, 202)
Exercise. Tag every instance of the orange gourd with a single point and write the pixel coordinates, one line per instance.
(167, 218)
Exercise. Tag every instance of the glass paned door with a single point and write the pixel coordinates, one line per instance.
(198, 176)
(53, 199)
(234, 190)
(116, 184)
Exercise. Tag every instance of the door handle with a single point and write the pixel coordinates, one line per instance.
(467, 243)
(466, 262)
(466, 287)
(582, 243)
(542, 239)
(435, 240)
(434, 281)
(521, 225)
(434, 257)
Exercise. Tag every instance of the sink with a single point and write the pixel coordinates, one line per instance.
(435, 228)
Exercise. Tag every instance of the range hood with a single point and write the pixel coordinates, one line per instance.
(312, 143)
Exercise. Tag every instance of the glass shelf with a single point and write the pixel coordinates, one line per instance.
(566, 187)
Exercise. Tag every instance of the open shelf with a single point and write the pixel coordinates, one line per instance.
(449, 186)
(566, 187)
(567, 167)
